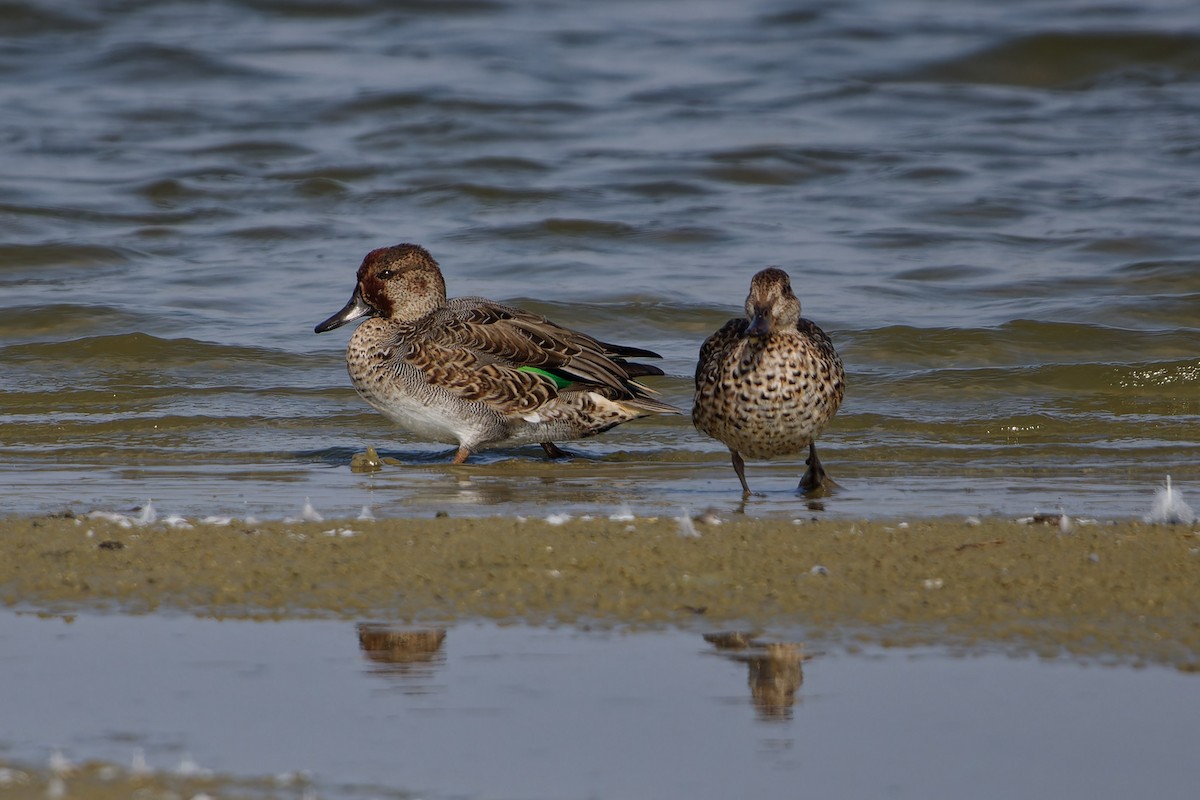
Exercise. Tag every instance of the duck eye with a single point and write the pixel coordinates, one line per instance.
(387, 274)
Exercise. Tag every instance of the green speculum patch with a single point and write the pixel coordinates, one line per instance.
(559, 381)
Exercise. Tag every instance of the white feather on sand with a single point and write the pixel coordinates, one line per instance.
(1169, 508)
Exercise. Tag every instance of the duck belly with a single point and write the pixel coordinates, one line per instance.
(426, 412)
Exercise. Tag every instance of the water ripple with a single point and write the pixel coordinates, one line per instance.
(991, 213)
(1068, 60)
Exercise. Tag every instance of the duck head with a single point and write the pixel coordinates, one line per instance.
(771, 305)
(401, 283)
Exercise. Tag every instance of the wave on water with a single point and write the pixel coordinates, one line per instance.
(1072, 60)
(142, 349)
(989, 212)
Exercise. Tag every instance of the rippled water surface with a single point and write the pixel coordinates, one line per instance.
(991, 207)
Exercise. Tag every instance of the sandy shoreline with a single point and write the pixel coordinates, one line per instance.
(1123, 590)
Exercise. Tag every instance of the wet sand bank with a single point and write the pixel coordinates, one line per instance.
(98, 780)
(1125, 591)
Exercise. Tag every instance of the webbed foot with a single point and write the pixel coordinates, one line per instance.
(553, 450)
(815, 481)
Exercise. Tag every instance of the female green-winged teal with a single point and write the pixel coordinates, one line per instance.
(767, 384)
(476, 373)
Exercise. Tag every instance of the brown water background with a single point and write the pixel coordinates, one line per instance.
(991, 207)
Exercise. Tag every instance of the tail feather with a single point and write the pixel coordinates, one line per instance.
(650, 406)
(635, 370)
(624, 351)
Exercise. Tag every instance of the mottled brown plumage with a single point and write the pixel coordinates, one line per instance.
(767, 384)
(459, 370)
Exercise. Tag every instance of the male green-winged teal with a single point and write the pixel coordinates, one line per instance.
(476, 373)
(767, 384)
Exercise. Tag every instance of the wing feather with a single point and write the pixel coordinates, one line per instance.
(501, 334)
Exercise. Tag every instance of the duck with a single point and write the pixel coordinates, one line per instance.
(768, 383)
(476, 373)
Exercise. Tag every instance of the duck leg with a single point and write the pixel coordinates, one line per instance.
(461, 456)
(739, 466)
(815, 477)
(553, 450)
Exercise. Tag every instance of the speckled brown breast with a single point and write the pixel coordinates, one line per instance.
(767, 396)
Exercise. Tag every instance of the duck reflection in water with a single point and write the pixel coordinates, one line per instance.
(399, 652)
(775, 671)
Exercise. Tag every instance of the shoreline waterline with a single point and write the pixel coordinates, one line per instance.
(1120, 590)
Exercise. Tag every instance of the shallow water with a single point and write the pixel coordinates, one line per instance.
(990, 207)
(519, 712)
